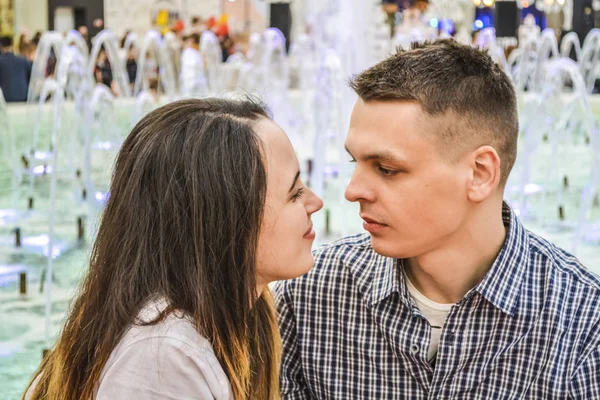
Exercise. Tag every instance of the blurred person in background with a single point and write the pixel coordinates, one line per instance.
(192, 81)
(131, 65)
(241, 42)
(28, 52)
(36, 38)
(103, 69)
(227, 46)
(23, 42)
(198, 25)
(150, 67)
(83, 30)
(122, 50)
(15, 72)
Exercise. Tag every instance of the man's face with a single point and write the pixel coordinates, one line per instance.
(412, 198)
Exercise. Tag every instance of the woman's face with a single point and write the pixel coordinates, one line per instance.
(286, 234)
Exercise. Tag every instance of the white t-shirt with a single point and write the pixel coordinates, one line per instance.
(169, 360)
(434, 313)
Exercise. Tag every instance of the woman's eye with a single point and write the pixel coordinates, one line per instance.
(298, 194)
(352, 160)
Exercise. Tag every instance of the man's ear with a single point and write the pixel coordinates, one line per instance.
(486, 174)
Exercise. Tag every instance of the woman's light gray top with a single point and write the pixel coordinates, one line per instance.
(169, 360)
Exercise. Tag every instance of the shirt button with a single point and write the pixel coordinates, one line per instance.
(414, 348)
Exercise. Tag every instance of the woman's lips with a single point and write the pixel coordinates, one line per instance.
(310, 233)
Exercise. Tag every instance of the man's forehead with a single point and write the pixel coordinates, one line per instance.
(386, 112)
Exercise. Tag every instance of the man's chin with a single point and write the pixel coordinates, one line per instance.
(388, 248)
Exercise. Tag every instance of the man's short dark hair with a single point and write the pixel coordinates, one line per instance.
(195, 38)
(458, 81)
(6, 41)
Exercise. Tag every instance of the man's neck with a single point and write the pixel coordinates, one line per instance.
(447, 273)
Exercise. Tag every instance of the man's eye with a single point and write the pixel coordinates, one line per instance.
(386, 172)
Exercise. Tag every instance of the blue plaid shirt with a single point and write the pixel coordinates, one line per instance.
(529, 330)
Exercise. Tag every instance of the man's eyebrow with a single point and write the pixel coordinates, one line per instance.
(384, 155)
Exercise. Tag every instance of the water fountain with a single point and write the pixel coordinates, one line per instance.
(70, 75)
(173, 49)
(413, 29)
(50, 42)
(556, 123)
(547, 49)
(522, 65)
(273, 73)
(250, 76)
(98, 135)
(570, 42)
(210, 50)
(12, 215)
(74, 38)
(131, 41)
(566, 110)
(107, 40)
(590, 58)
(487, 40)
(303, 58)
(192, 80)
(274, 62)
(144, 103)
(153, 47)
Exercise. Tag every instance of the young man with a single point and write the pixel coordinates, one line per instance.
(15, 72)
(448, 296)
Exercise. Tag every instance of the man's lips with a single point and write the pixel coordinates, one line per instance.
(371, 225)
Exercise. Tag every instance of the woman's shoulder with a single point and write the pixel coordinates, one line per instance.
(171, 354)
(176, 326)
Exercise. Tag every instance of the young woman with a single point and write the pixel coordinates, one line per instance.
(206, 208)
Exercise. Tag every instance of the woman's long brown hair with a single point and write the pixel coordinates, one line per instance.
(182, 222)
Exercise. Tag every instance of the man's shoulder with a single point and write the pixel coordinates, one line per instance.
(12, 59)
(574, 291)
(564, 266)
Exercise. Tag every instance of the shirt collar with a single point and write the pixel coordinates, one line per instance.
(376, 276)
(386, 280)
(501, 286)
